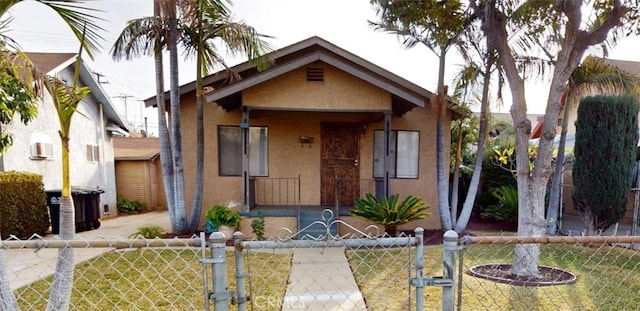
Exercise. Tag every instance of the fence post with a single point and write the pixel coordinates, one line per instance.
(242, 298)
(449, 247)
(419, 265)
(219, 266)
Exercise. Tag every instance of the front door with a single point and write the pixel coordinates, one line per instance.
(340, 171)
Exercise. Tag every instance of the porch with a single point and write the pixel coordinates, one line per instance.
(280, 198)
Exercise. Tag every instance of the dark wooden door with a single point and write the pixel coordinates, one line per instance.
(340, 171)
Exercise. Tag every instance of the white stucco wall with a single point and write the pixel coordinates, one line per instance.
(87, 128)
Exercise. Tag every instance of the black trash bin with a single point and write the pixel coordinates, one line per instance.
(86, 202)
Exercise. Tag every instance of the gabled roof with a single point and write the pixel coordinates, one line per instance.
(53, 63)
(136, 148)
(405, 95)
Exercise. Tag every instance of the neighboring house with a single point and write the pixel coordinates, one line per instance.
(311, 131)
(138, 170)
(37, 147)
(567, 184)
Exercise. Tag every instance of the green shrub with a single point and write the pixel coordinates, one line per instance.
(23, 204)
(129, 207)
(257, 227)
(148, 232)
(506, 209)
(220, 215)
(605, 155)
(390, 212)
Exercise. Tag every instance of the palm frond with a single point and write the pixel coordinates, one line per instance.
(82, 22)
(143, 36)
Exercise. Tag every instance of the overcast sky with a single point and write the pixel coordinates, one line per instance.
(342, 22)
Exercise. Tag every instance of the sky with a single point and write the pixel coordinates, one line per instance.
(342, 22)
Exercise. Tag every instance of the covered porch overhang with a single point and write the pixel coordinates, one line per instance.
(363, 116)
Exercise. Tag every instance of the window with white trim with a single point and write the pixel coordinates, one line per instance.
(230, 151)
(93, 154)
(404, 150)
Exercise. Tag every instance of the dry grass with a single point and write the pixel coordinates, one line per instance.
(147, 279)
(608, 279)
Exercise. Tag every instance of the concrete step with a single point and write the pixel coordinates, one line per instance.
(312, 224)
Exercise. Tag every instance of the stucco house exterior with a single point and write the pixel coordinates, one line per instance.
(138, 171)
(319, 128)
(37, 146)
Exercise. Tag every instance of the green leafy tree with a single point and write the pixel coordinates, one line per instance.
(560, 31)
(605, 151)
(16, 97)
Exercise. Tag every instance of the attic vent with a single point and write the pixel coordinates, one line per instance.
(315, 74)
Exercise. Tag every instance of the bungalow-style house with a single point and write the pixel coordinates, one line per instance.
(567, 185)
(37, 148)
(138, 171)
(319, 128)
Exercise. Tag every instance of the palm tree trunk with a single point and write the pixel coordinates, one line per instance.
(196, 206)
(456, 177)
(163, 132)
(179, 223)
(7, 300)
(63, 278)
(467, 208)
(443, 189)
(553, 209)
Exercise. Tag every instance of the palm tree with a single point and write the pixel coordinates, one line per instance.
(65, 100)
(147, 36)
(201, 23)
(207, 22)
(81, 22)
(437, 25)
(593, 75)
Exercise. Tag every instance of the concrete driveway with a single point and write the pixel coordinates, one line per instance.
(28, 265)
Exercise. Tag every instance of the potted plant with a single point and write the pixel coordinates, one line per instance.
(223, 219)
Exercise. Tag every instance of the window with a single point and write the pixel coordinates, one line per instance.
(404, 151)
(93, 153)
(230, 151)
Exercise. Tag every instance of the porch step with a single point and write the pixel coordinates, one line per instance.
(313, 225)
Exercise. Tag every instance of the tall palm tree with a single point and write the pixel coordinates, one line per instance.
(437, 25)
(593, 75)
(147, 36)
(205, 23)
(200, 24)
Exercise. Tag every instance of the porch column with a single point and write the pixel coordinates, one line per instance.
(244, 142)
(387, 154)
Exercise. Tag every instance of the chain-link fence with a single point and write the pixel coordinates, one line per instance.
(367, 272)
(358, 271)
(123, 274)
(363, 270)
(575, 273)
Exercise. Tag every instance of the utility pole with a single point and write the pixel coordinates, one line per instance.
(124, 98)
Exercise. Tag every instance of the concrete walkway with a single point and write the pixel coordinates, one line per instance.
(28, 265)
(321, 279)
